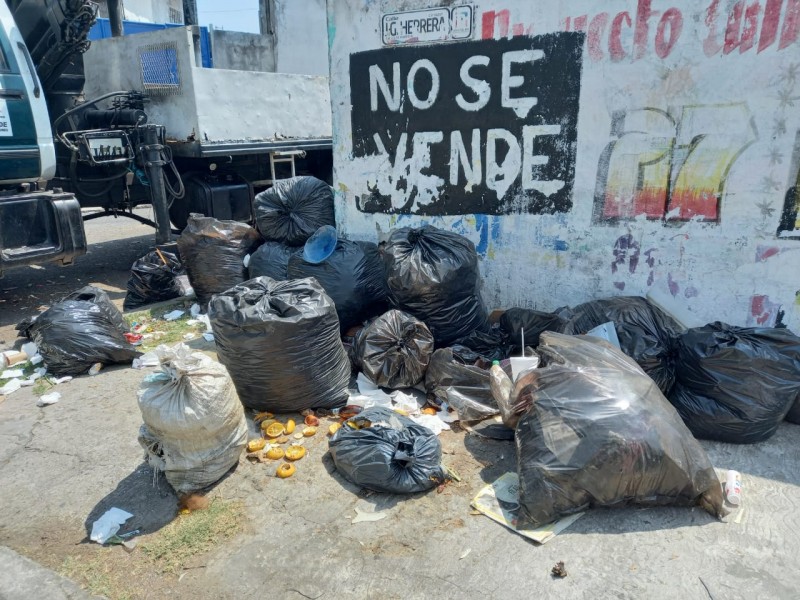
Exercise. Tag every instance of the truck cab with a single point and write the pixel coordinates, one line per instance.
(35, 225)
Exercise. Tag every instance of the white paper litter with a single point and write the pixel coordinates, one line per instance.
(36, 359)
(30, 348)
(149, 359)
(406, 402)
(30, 380)
(195, 310)
(432, 422)
(367, 517)
(47, 399)
(108, 525)
(11, 373)
(174, 315)
(64, 379)
(10, 387)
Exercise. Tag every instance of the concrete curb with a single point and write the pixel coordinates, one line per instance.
(22, 579)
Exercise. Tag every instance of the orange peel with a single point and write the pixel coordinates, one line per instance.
(275, 453)
(334, 428)
(311, 421)
(285, 470)
(256, 445)
(289, 427)
(309, 431)
(295, 452)
(274, 430)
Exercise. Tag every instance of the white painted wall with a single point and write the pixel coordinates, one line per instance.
(301, 36)
(152, 11)
(721, 121)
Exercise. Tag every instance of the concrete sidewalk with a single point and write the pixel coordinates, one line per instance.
(23, 579)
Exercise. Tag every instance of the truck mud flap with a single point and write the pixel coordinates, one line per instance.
(40, 227)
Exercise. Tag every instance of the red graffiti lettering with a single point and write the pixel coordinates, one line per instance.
(615, 48)
(643, 15)
(791, 24)
(580, 23)
(769, 27)
(735, 37)
(489, 24)
(674, 19)
(710, 45)
(595, 35)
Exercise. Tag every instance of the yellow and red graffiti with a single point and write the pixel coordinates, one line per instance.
(671, 167)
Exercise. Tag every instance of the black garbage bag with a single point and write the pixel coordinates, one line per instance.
(271, 259)
(353, 276)
(736, 384)
(213, 252)
(153, 278)
(293, 209)
(599, 432)
(465, 387)
(280, 342)
(82, 329)
(388, 453)
(646, 333)
(394, 350)
(434, 275)
(532, 323)
(490, 345)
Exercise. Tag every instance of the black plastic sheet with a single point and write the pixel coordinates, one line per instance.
(464, 387)
(82, 329)
(353, 276)
(599, 432)
(280, 342)
(646, 333)
(434, 275)
(393, 454)
(153, 278)
(394, 350)
(293, 209)
(736, 384)
(213, 252)
(271, 259)
(490, 345)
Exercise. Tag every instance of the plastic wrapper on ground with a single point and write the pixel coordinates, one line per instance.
(353, 276)
(736, 384)
(213, 252)
(464, 387)
(153, 278)
(434, 276)
(599, 432)
(646, 333)
(271, 259)
(82, 329)
(293, 209)
(280, 343)
(194, 426)
(387, 453)
(394, 350)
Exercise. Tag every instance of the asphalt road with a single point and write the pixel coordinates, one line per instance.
(114, 244)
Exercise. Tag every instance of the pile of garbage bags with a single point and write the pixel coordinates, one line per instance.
(213, 252)
(271, 259)
(281, 345)
(194, 426)
(598, 432)
(153, 278)
(82, 329)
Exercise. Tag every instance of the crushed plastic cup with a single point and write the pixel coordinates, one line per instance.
(520, 364)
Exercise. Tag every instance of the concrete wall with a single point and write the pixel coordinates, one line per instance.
(653, 151)
(242, 51)
(301, 36)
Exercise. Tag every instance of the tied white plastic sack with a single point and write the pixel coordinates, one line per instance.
(194, 427)
(108, 525)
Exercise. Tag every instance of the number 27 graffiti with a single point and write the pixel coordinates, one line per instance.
(670, 166)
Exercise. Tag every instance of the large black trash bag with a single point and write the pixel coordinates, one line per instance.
(599, 432)
(82, 329)
(490, 345)
(434, 275)
(394, 350)
(153, 278)
(213, 252)
(465, 387)
(646, 333)
(353, 276)
(736, 384)
(280, 342)
(517, 322)
(271, 259)
(293, 209)
(388, 453)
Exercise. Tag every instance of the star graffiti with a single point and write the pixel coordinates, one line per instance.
(786, 99)
(769, 183)
(792, 73)
(780, 127)
(775, 157)
(766, 208)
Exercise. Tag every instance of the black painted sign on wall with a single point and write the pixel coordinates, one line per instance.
(484, 127)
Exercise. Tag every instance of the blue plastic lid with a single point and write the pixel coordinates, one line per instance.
(321, 245)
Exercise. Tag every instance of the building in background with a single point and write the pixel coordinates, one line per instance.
(148, 11)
